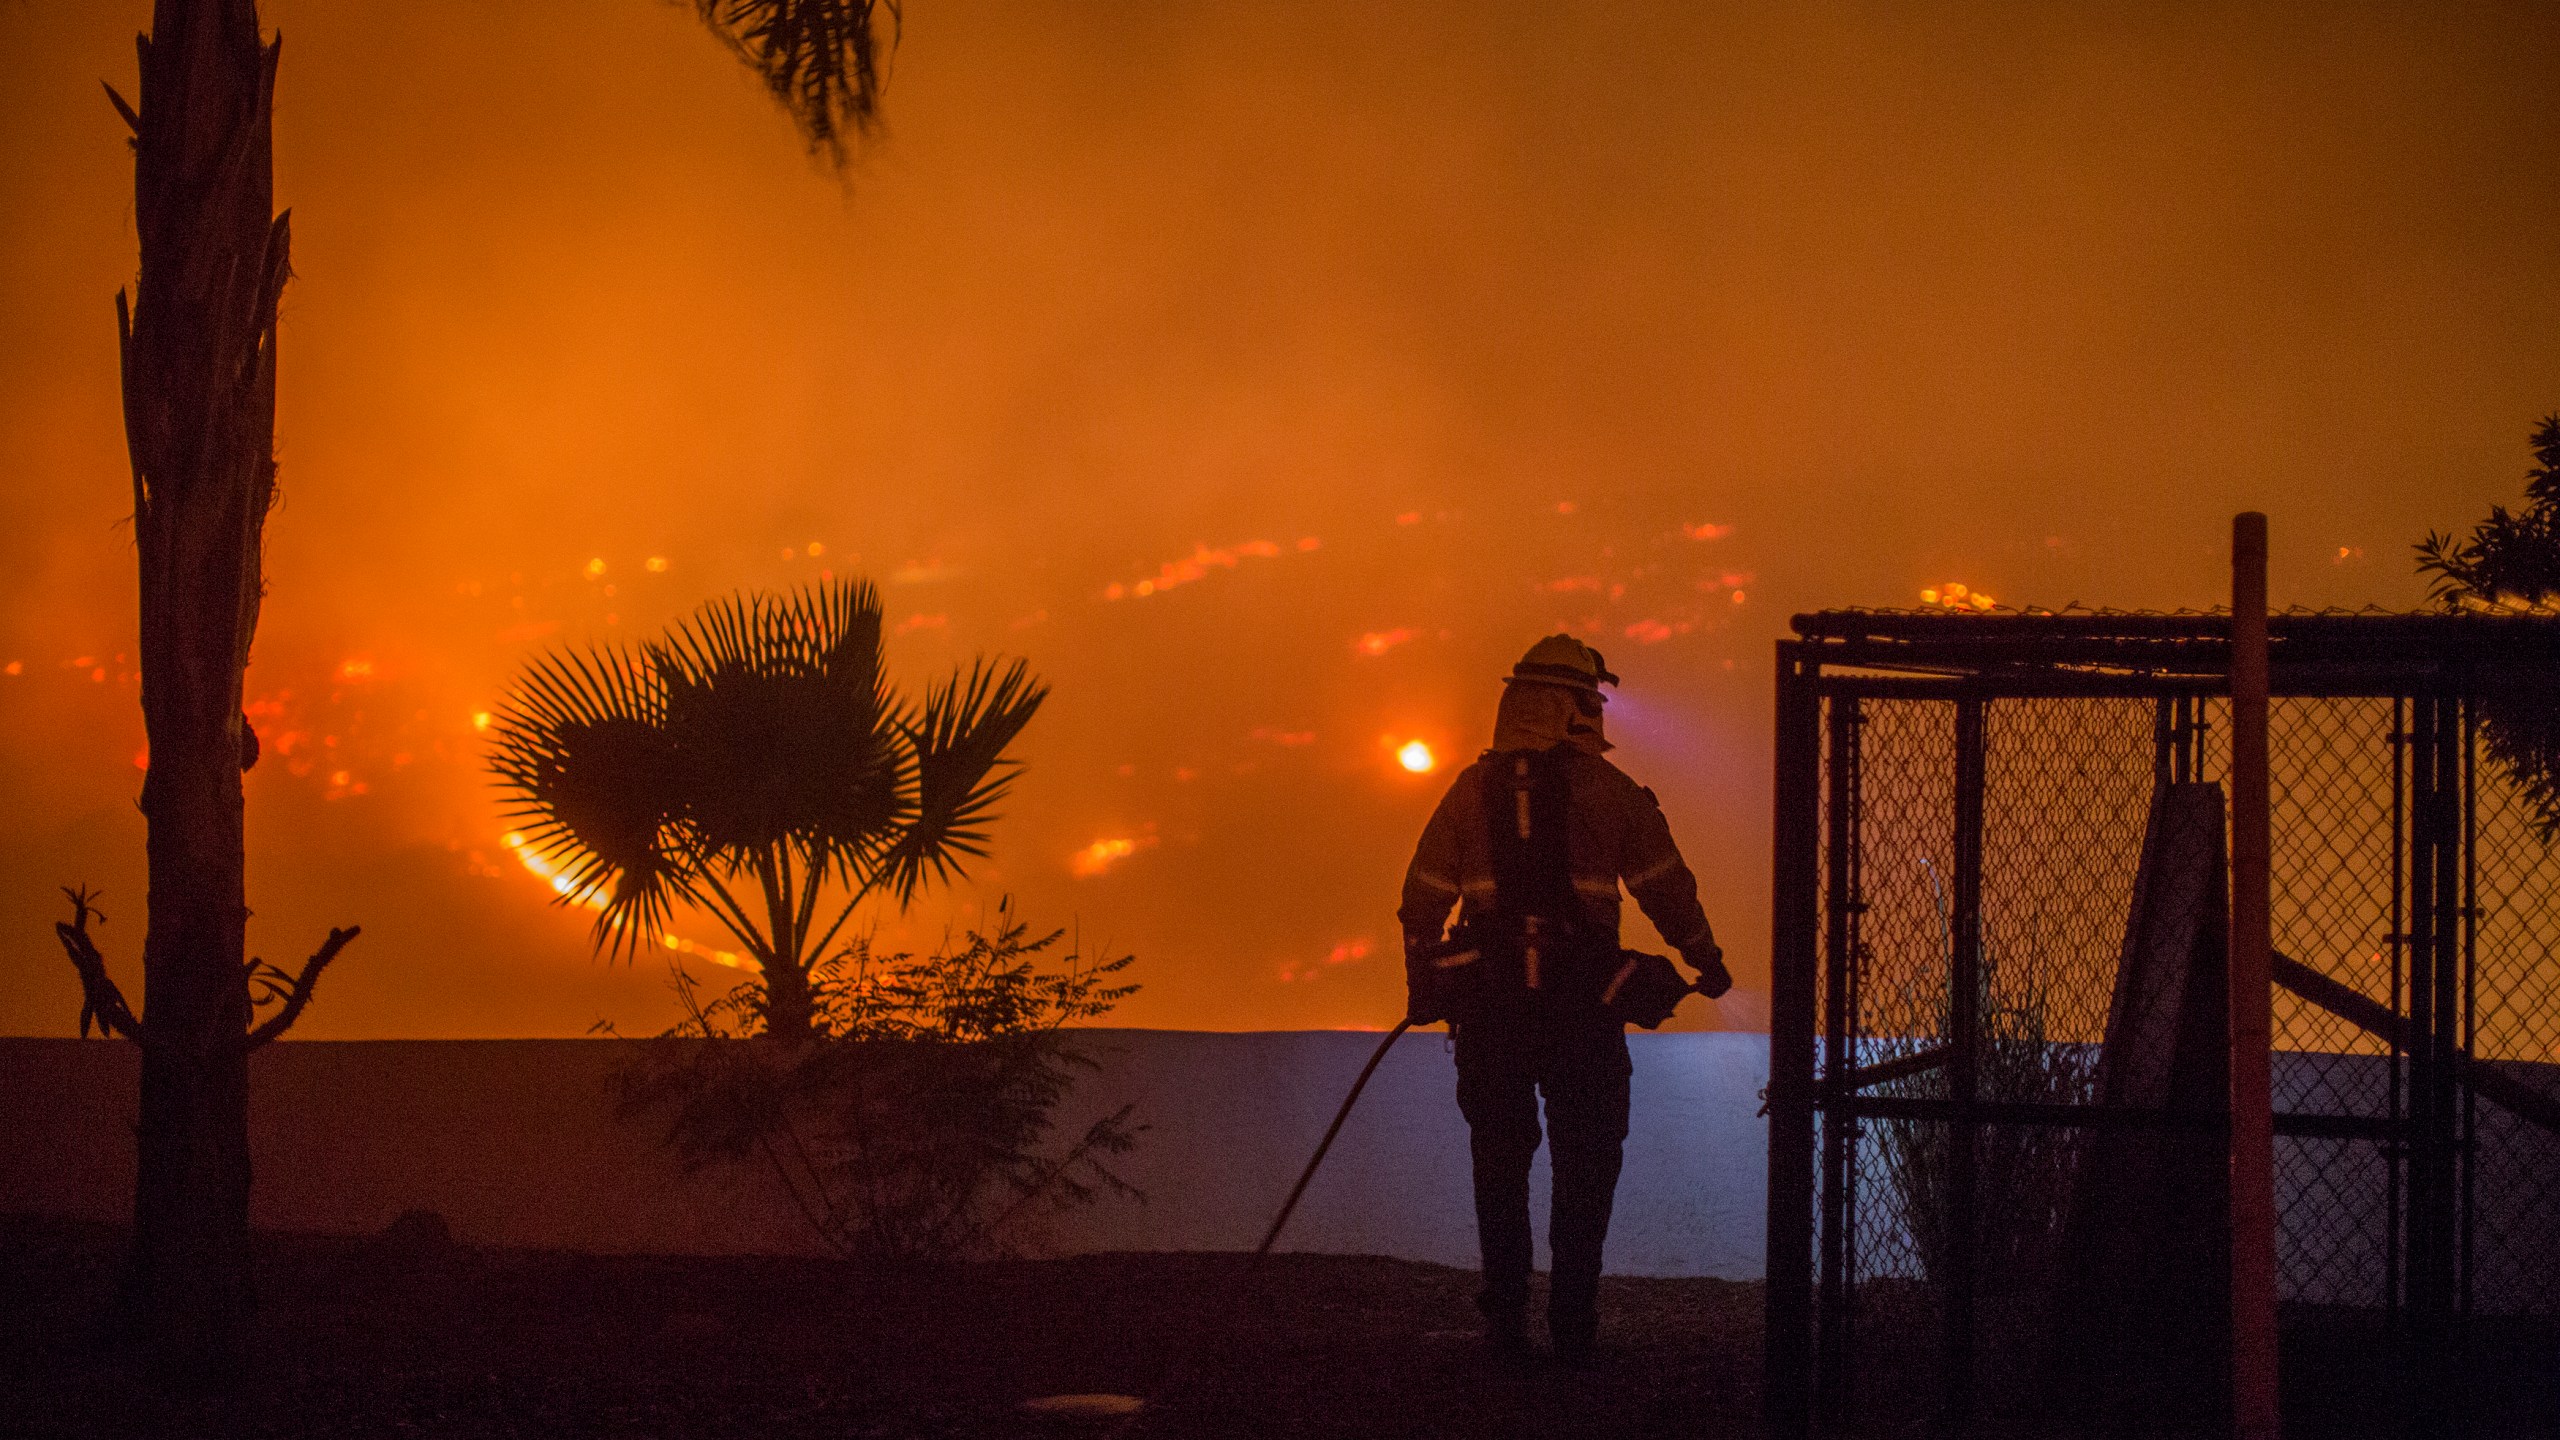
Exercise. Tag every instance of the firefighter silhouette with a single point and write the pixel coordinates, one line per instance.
(1530, 845)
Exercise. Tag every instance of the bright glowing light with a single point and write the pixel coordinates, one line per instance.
(479, 719)
(1416, 757)
(355, 669)
(1348, 952)
(1198, 564)
(1957, 597)
(1098, 857)
(817, 547)
(1379, 642)
(595, 567)
(655, 564)
(1706, 532)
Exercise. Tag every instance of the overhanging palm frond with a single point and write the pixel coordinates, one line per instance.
(2511, 562)
(583, 754)
(823, 61)
(959, 739)
(2511, 559)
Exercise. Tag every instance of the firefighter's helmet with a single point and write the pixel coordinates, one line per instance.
(1564, 661)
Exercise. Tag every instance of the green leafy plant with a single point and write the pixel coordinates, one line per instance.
(2510, 564)
(915, 1127)
(756, 758)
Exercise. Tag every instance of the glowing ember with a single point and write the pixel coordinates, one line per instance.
(1416, 757)
(1200, 562)
(1379, 642)
(1098, 857)
(1346, 952)
(1957, 597)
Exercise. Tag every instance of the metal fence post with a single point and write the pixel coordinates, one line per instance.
(2253, 1219)
(1964, 1063)
(1787, 1389)
(1833, 1318)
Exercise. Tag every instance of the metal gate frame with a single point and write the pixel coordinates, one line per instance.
(2432, 668)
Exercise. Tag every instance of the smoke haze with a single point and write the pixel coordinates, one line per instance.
(1270, 375)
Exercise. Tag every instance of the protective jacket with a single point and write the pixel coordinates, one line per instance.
(1612, 830)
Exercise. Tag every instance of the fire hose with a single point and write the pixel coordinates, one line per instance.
(1289, 1206)
(1128, 1411)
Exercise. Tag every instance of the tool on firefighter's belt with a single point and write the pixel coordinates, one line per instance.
(1645, 989)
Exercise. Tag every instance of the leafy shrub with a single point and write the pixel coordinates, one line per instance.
(913, 1122)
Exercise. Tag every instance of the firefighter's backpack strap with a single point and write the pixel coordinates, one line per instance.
(1527, 805)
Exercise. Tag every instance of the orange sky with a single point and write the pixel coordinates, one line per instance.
(1447, 325)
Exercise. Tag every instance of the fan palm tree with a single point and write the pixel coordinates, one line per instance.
(755, 764)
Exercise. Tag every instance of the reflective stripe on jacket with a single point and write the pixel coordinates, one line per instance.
(1615, 834)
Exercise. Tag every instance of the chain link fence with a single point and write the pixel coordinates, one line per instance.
(2002, 896)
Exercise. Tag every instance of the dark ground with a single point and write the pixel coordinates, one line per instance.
(365, 1337)
(361, 1338)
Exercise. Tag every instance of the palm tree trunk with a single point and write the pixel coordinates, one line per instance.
(199, 398)
(788, 1013)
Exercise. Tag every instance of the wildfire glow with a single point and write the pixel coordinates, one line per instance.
(1200, 562)
(1416, 757)
(549, 874)
(1098, 857)
(1347, 952)
(1957, 597)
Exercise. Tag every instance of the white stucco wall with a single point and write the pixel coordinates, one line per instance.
(515, 1143)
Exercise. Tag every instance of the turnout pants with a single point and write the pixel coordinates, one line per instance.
(1580, 1064)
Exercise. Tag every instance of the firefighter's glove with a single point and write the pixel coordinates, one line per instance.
(1439, 975)
(1713, 978)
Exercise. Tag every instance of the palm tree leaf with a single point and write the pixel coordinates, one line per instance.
(784, 728)
(959, 739)
(582, 759)
(821, 60)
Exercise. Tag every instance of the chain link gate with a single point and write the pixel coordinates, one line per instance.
(1997, 1115)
